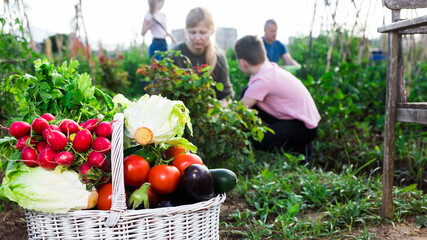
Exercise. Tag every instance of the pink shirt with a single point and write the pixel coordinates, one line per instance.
(282, 95)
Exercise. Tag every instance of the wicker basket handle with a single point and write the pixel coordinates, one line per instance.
(118, 201)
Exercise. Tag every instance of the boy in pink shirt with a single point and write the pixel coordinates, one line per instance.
(283, 102)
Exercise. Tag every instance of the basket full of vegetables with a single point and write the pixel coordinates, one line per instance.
(147, 182)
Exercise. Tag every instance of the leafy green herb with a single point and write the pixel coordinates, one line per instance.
(57, 90)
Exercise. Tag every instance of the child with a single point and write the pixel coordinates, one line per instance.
(155, 21)
(283, 102)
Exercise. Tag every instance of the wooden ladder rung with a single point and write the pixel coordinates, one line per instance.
(415, 112)
(412, 23)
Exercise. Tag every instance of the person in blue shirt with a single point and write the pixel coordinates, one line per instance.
(275, 49)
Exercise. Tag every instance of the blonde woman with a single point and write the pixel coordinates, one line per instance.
(201, 51)
(155, 21)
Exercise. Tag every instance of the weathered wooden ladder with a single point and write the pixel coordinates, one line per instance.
(397, 107)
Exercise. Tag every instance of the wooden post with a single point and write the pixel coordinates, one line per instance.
(59, 40)
(392, 80)
(48, 48)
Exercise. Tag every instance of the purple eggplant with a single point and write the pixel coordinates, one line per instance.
(196, 184)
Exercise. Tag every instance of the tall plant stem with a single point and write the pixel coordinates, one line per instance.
(331, 45)
(350, 38)
(310, 37)
(364, 43)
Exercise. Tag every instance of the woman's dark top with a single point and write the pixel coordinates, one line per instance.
(219, 74)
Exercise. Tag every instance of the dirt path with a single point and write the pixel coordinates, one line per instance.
(13, 226)
(401, 231)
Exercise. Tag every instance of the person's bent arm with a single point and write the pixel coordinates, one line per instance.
(288, 60)
(145, 26)
(249, 102)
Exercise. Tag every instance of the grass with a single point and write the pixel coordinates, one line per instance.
(290, 201)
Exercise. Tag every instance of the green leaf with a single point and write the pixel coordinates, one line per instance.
(420, 221)
(67, 101)
(84, 85)
(219, 86)
(44, 86)
(57, 79)
(56, 94)
(45, 96)
(107, 98)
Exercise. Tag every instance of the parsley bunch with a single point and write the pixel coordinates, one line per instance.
(57, 90)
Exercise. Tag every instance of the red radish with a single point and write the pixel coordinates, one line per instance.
(82, 141)
(56, 140)
(49, 117)
(18, 129)
(46, 159)
(69, 126)
(23, 142)
(39, 124)
(98, 160)
(90, 124)
(41, 146)
(29, 156)
(104, 129)
(102, 145)
(48, 128)
(64, 158)
(83, 170)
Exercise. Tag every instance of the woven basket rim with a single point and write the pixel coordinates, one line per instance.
(219, 199)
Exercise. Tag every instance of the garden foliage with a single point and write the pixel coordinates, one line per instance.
(278, 191)
(222, 135)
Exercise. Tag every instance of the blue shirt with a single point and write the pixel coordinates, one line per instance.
(275, 50)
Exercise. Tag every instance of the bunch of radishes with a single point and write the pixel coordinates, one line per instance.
(83, 147)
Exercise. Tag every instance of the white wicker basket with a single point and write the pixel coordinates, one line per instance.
(193, 221)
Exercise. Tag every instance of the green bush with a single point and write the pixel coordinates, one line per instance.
(133, 58)
(110, 73)
(351, 102)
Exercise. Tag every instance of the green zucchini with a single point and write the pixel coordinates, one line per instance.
(147, 154)
(131, 150)
(224, 179)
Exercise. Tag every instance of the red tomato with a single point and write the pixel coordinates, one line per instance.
(173, 151)
(182, 161)
(164, 179)
(104, 197)
(135, 170)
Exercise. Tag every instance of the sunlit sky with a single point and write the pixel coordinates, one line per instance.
(120, 22)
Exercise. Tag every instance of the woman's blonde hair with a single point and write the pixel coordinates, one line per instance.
(194, 17)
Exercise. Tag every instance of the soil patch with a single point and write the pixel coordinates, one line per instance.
(12, 222)
(406, 230)
(13, 226)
